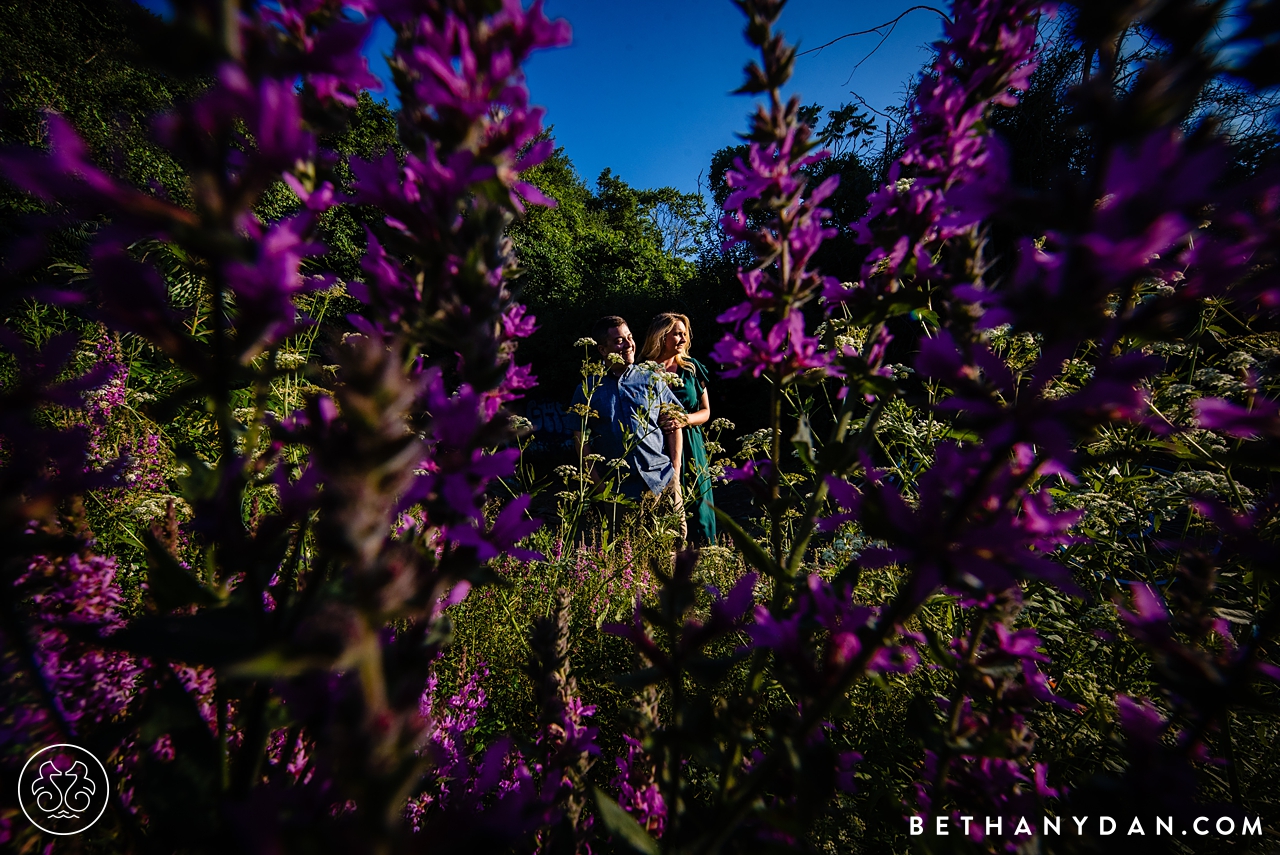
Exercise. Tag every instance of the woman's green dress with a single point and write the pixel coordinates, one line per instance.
(695, 476)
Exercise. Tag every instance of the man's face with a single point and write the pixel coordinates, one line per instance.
(618, 340)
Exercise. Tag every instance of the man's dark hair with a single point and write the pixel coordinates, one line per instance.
(601, 328)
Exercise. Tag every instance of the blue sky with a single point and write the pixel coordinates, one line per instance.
(647, 93)
(644, 88)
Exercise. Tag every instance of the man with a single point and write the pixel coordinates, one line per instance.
(623, 419)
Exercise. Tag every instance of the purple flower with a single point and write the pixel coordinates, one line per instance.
(66, 176)
(846, 763)
(768, 330)
(1154, 766)
(751, 470)
(772, 173)
(456, 70)
(517, 323)
(983, 388)
(637, 634)
(329, 56)
(731, 609)
(511, 526)
(1203, 680)
(266, 289)
(1240, 254)
(53, 463)
(638, 791)
(1261, 419)
(952, 173)
(846, 628)
(781, 634)
(456, 776)
(784, 350)
(994, 541)
(386, 284)
(1242, 532)
(846, 497)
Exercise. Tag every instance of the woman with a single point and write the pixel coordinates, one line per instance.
(667, 343)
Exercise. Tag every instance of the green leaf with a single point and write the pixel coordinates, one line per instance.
(217, 637)
(200, 480)
(929, 316)
(280, 662)
(710, 671)
(640, 679)
(802, 439)
(753, 552)
(170, 584)
(961, 434)
(1235, 615)
(622, 825)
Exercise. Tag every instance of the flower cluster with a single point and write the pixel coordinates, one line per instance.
(638, 792)
(1090, 275)
(977, 522)
(951, 174)
(70, 595)
(447, 741)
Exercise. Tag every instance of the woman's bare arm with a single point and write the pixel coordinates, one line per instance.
(675, 446)
(702, 415)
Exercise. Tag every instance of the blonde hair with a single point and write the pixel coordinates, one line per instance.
(658, 329)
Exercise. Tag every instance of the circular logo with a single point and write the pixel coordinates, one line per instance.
(63, 789)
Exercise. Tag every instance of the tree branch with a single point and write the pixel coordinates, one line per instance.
(876, 29)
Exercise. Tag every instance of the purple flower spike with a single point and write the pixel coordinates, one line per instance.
(638, 792)
(1262, 419)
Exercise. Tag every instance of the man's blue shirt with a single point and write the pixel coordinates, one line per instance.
(628, 405)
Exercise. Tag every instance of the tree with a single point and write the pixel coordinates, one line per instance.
(612, 250)
(81, 58)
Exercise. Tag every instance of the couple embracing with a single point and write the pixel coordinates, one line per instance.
(650, 416)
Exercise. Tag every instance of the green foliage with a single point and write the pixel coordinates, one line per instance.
(81, 58)
(598, 246)
(370, 135)
(492, 624)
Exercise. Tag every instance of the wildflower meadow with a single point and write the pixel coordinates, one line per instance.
(997, 569)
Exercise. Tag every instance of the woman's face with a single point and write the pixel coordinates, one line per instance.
(675, 341)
